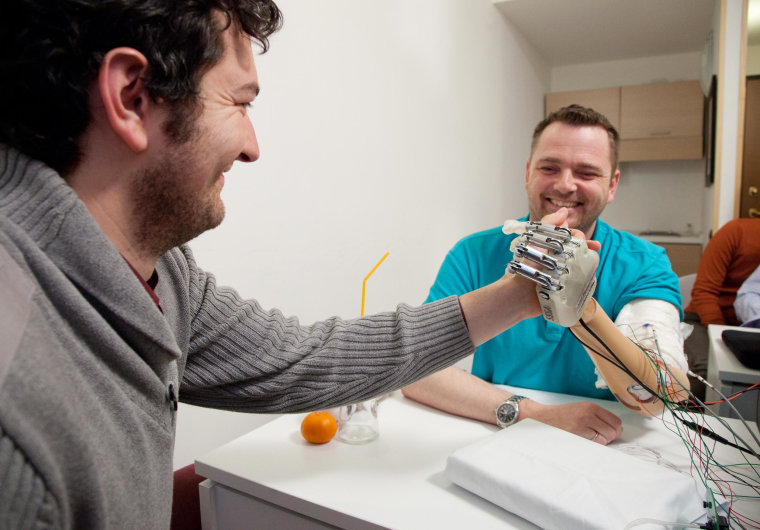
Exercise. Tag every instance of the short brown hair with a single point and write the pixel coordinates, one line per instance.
(579, 116)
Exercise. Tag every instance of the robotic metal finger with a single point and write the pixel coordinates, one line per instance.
(562, 266)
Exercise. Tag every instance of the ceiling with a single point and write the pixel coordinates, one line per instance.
(586, 31)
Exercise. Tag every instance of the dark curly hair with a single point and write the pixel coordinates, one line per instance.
(51, 50)
(579, 116)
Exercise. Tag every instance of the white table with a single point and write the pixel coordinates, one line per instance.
(272, 478)
(727, 374)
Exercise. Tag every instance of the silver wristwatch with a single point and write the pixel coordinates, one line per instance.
(508, 411)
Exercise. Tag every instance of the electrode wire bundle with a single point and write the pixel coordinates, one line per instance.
(690, 428)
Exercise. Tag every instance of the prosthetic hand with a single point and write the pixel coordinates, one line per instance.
(565, 282)
(567, 277)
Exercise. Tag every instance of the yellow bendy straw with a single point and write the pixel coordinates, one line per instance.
(364, 283)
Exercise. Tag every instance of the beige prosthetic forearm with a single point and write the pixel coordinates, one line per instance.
(670, 382)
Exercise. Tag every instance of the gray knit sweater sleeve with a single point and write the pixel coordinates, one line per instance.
(243, 357)
(26, 501)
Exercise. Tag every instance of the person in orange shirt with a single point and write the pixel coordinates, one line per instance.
(729, 258)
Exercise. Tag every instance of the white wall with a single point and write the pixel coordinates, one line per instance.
(394, 126)
(662, 195)
(658, 69)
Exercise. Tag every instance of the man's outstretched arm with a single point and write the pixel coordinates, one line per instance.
(456, 391)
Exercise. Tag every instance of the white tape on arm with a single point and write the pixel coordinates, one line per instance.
(656, 325)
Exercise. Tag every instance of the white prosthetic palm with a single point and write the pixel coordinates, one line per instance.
(566, 279)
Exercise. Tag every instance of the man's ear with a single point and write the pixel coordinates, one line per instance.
(125, 99)
(614, 181)
(527, 173)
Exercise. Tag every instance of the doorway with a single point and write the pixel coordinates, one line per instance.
(749, 203)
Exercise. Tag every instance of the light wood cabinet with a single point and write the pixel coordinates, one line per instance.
(656, 121)
(661, 121)
(604, 100)
(684, 257)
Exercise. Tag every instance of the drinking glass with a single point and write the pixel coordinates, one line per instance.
(357, 423)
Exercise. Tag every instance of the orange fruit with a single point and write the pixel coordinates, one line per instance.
(318, 427)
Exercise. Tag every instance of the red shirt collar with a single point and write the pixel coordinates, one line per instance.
(149, 285)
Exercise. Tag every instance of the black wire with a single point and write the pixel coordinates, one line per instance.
(600, 354)
(706, 456)
(698, 406)
(619, 363)
(718, 438)
(616, 362)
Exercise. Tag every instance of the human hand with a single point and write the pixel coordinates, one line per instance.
(559, 218)
(583, 419)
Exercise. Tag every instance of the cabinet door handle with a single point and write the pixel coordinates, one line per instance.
(754, 212)
(752, 191)
(659, 133)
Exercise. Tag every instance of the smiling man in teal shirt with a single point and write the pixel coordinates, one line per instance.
(573, 165)
(629, 269)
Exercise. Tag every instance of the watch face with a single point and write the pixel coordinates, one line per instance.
(506, 413)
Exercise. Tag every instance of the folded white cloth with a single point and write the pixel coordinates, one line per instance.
(558, 480)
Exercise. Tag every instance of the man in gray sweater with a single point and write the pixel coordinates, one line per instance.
(118, 120)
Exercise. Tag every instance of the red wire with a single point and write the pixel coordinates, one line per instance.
(731, 398)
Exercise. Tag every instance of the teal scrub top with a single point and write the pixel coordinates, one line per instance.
(538, 354)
